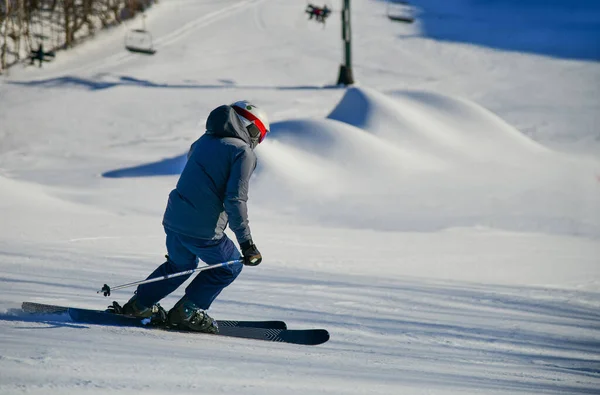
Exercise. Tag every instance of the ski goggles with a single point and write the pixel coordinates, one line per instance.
(256, 129)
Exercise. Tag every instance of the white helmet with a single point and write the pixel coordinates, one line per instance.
(254, 119)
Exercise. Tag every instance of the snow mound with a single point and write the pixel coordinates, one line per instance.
(31, 196)
(33, 211)
(434, 124)
(422, 161)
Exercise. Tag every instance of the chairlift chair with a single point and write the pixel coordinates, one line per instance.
(400, 11)
(139, 41)
(40, 55)
(319, 13)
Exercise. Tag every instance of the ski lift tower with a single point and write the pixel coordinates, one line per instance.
(345, 76)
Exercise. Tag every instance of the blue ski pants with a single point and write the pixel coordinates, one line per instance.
(184, 252)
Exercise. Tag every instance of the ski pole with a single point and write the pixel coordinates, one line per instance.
(106, 289)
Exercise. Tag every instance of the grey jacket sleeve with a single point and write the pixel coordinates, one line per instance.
(236, 194)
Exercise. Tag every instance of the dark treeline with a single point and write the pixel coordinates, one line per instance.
(28, 25)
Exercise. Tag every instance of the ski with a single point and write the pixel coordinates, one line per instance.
(30, 307)
(274, 331)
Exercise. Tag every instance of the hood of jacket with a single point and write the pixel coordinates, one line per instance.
(224, 122)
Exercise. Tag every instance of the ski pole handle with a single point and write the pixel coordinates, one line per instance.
(106, 289)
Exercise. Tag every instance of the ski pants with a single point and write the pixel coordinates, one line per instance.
(184, 254)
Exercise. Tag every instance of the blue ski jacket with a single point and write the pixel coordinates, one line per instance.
(213, 187)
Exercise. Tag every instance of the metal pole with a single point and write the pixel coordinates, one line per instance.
(106, 289)
(345, 76)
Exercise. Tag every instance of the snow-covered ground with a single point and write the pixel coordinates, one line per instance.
(441, 218)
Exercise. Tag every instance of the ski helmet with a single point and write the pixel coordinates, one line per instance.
(254, 119)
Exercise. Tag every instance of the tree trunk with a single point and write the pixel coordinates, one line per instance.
(68, 24)
(5, 36)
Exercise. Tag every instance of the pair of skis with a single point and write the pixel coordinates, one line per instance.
(274, 331)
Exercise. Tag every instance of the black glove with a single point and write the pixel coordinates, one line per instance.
(251, 254)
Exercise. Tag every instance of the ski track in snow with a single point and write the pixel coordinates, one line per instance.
(449, 334)
(445, 336)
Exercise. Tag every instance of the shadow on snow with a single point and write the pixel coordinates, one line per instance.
(559, 28)
(165, 167)
(97, 84)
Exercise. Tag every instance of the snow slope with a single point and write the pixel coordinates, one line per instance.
(441, 218)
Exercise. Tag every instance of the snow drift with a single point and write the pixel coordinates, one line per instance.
(422, 161)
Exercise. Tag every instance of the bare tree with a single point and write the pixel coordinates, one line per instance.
(4, 15)
(28, 25)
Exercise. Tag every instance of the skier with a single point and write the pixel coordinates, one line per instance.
(212, 191)
(325, 11)
(320, 14)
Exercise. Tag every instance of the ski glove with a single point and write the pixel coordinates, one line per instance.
(251, 254)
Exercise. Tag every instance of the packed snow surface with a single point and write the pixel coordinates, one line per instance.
(440, 218)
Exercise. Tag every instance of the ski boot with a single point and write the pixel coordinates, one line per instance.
(153, 316)
(185, 315)
(134, 309)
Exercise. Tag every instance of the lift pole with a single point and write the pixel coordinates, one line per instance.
(345, 76)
